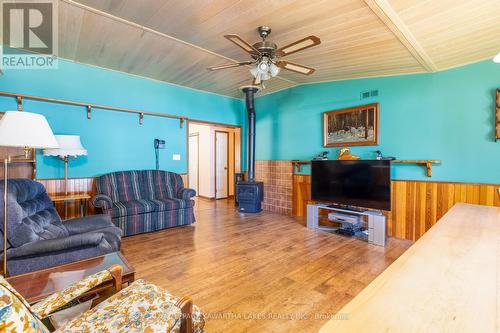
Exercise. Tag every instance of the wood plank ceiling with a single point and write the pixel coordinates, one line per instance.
(176, 40)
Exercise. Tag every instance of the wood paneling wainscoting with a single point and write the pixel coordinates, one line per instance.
(76, 186)
(416, 205)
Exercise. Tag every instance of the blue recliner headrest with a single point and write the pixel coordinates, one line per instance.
(31, 215)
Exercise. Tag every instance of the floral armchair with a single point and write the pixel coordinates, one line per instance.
(141, 307)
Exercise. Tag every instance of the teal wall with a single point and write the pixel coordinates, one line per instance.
(115, 140)
(446, 115)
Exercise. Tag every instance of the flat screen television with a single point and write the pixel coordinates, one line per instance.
(362, 183)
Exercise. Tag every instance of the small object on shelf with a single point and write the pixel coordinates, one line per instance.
(345, 232)
(380, 157)
(323, 156)
(428, 164)
(298, 164)
(345, 154)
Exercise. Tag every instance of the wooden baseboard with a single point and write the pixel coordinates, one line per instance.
(206, 198)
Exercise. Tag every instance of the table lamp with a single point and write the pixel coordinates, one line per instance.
(69, 146)
(25, 130)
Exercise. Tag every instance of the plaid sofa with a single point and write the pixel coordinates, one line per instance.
(145, 200)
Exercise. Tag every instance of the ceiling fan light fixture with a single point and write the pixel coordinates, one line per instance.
(497, 58)
(263, 67)
(266, 57)
(274, 70)
(254, 71)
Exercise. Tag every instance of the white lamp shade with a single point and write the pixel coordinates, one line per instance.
(274, 70)
(69, 145)
(26, 129)
(497, 58)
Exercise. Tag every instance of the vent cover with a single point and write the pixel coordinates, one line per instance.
(369, 93)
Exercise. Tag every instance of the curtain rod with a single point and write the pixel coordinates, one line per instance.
(89, 106)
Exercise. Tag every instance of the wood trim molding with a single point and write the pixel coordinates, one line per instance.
(211, 123)
(206, 198)
(391, 19)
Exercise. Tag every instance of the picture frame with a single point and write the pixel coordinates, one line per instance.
(354, 126)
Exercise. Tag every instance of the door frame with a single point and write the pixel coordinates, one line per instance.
(197, 135)
(215, 163)
(215, 125)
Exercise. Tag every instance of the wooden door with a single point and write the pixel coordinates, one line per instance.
(194, 162)
(221, 164)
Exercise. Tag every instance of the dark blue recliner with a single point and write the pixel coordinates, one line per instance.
(38, 239)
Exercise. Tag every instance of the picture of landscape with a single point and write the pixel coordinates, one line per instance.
(356, 126)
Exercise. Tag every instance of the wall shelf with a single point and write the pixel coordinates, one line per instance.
(427, 163)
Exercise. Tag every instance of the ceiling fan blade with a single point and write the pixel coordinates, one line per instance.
(243, 44)
(295, 67)
(297, 46)
(238, 64)
(257, 80)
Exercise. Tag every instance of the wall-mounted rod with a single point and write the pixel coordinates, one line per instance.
(88, 106)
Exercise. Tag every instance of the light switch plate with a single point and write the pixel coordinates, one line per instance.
(176, 157)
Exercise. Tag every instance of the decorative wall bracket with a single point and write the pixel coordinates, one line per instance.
(427, 163)
(497, 116)
(141, 118)
(19, 103)
(89, 112)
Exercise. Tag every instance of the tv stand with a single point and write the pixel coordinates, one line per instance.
(375, 225)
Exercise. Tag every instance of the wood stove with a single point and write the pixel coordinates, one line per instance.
(250, 193)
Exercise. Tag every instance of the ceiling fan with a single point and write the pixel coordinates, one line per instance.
(267, 56)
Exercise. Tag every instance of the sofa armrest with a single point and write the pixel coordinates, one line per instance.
(102, 201)
(88, 223)
(45, 307)
(48, 246)
(186, 193)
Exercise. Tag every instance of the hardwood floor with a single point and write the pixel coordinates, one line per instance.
(258, 273)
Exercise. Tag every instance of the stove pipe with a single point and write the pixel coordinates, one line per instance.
(249, 92)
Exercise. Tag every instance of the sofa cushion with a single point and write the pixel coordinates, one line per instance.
(16, 314)
(31, 214)
(121, 186)
(162, 205)
(140, 307)
(132, 207)
(158, 184)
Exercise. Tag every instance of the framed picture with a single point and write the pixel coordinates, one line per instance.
(357, 126)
